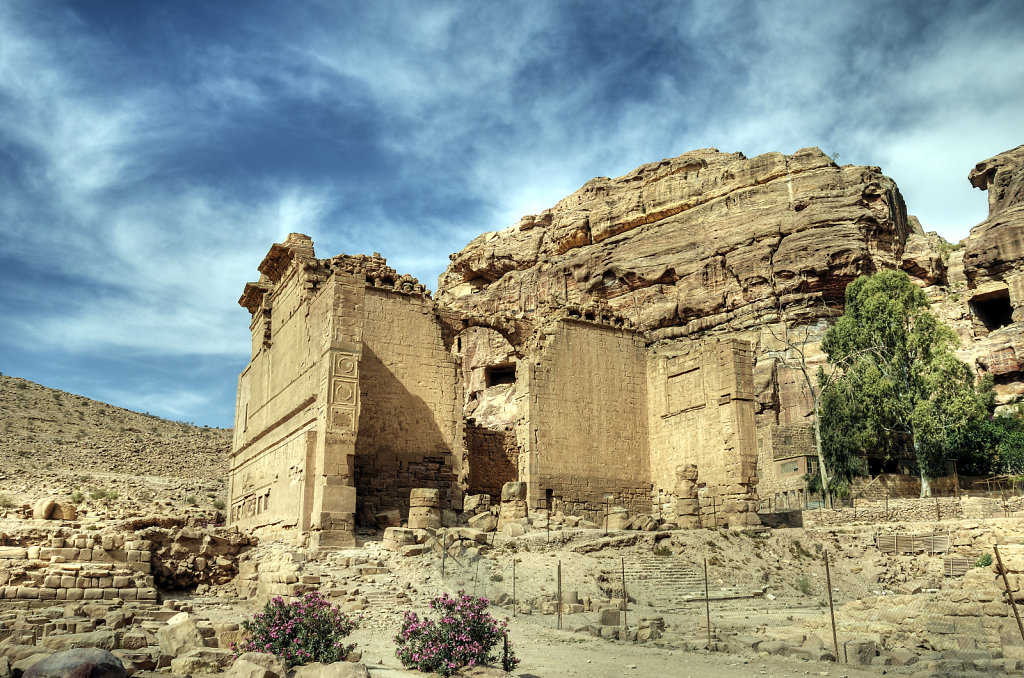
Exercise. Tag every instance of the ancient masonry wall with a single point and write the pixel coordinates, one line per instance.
(586, 420)
(782, 462)
(493, 458)
(410, 430)
(276, 413)
(701, 412)
(348, 362)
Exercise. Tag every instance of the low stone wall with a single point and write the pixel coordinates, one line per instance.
(895, 510)
(72, 563)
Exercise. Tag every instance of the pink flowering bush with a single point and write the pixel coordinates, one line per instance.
(300, 632)
(463, 635)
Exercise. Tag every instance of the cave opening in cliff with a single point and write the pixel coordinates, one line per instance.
(993, 309)
(500, 374)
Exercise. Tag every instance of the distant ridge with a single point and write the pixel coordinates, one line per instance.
(45, 429)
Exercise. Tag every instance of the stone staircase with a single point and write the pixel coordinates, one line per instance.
(670, 582)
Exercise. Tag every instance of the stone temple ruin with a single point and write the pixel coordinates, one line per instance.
(355, 395)
(629, 349)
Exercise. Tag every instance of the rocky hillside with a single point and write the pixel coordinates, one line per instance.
(58, 443)
(699, 241)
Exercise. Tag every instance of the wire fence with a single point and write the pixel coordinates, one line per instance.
(869, 600)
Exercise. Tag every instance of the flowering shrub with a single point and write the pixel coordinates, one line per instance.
(464, 635)
(300, 632)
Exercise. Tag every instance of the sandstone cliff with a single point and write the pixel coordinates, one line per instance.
(987, 298)
(706, 243)
(995, 247)
(703, 240)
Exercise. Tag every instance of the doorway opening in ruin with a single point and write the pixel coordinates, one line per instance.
(500, 374)
(993, 309)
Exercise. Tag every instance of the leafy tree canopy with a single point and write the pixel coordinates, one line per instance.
(897, 389)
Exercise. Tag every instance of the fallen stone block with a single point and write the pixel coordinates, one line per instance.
(485, 522)
(334, 670)
(181, 635)
(860, 652)
(203, 660)
(386, 519)
(257, 665)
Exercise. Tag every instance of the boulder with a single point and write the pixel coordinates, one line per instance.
(485, 522)
(86, 662)
(202, 660)
(181, 635)
(43, 508)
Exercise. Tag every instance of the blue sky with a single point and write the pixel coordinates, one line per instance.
(151, 152)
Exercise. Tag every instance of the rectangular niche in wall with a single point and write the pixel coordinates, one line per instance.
(993, 309)
(500, 374)
(684, 391)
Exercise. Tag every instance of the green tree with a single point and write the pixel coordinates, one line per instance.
(896, 387)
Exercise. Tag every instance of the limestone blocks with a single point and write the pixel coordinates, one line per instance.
(48, 508)
(513, 504)
(687, 505)
(424, 509)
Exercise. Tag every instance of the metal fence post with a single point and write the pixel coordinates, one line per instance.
(707, 602)
(831, 607)
(559, 594)
(625, 600)
(515, 605)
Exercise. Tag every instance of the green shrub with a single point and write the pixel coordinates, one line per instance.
(300, 632)
(5, 502)
(804, 586)
(77, 497)
(984, 560)
(662, 550)
(190, 500)
(218, 504)
(100, 493)
(463, 635)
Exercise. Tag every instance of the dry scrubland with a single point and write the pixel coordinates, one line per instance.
(58, 444)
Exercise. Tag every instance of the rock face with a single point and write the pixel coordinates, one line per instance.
(995, 248)
(760, 249)
(987, 300)
(696, 242)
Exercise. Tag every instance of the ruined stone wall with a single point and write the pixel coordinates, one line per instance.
(410, 428)
(584, 401)
(701, 412)
(782, 459)
(275, 417)
(493, 460)
(348, 362)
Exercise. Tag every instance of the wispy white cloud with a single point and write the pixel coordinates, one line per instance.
(158, 186)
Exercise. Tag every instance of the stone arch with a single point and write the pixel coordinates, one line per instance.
(514, 330)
